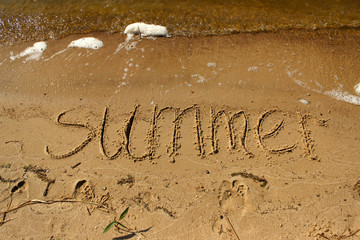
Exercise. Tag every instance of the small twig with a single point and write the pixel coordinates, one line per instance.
(76, 165)
(131, 230)
(101, 203)
(232, 228)
(350, 235)
(37, 201)
(4, 214)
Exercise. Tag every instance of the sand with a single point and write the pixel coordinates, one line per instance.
(202, 138)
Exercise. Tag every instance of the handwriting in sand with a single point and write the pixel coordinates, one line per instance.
(152, 135)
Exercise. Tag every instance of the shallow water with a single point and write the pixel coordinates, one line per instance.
(28, 20)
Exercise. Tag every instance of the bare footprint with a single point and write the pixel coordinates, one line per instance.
(83, 190)
(232, 199)
(233, 196)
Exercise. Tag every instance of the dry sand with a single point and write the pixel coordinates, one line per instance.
(202, 138)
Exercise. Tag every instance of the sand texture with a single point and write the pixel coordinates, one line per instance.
(202, 138)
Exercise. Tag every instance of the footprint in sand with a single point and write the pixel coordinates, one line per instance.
(83, 190)
(233, 196)
(232, 200)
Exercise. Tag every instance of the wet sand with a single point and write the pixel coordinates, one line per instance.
(191, 133)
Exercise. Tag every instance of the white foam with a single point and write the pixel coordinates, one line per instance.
(343, 96)
(357, 88)
(32, 53)
(146, 30)
(87, 42)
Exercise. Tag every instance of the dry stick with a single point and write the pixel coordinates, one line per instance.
(37, 201)
(4, 214)
(102, 201)
(76, 165)
(351, 234)
(131, 230)
(232, 228)
(339, 237)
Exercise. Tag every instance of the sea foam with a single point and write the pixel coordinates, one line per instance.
(32, 53)
(343, 96)
(87, 42)
(357, 88)
(146, 30)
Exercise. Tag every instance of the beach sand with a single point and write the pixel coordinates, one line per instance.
(202, 138)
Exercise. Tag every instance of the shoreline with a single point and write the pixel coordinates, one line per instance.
(300, 30)
(51, 19)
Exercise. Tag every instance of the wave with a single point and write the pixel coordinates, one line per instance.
(22, 21)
